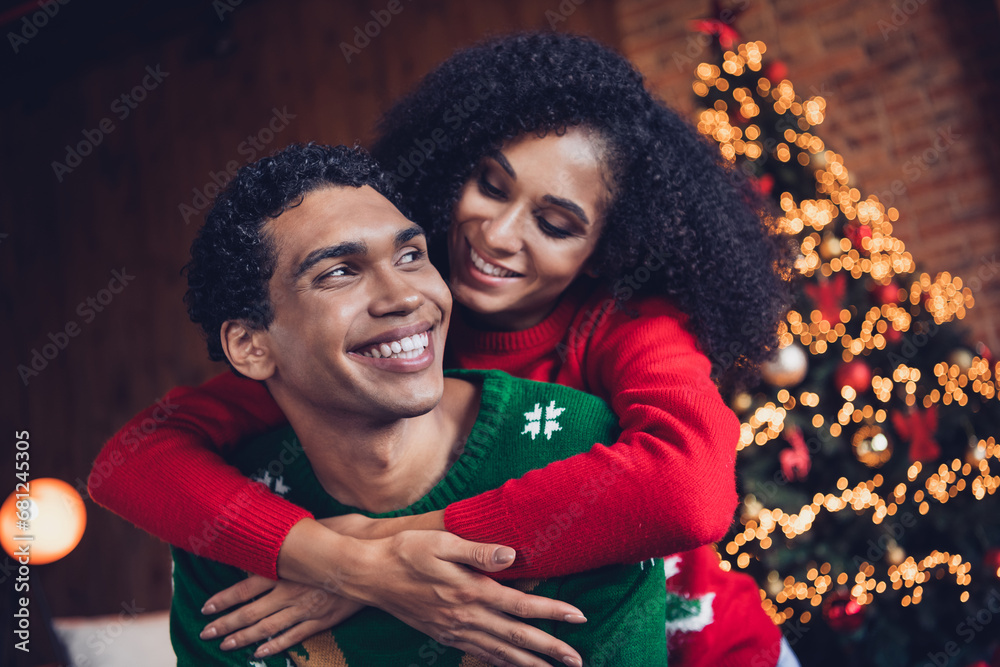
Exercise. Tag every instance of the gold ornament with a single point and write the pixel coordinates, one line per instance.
(742, 402)
(962, 358)
(788, 367)
(830, 247)
(872, 446)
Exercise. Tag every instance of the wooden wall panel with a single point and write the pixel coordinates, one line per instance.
(119, 210)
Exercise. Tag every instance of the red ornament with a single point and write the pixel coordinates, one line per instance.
(886, 294)
(795, 462)
(843, 613)
(893, 335)
(728, 37)
(856, 234)
(991, 561)
(828, 296)
(918, 427)
(764, 184)
(854, 374)
(776, 71)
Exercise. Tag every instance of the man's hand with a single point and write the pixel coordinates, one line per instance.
(424, 579)
(289, 613)
(364, 528)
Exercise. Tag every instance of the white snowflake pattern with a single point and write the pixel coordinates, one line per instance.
(534, 425)
(276, 484)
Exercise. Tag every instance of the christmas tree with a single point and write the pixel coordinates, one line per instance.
(869, 457)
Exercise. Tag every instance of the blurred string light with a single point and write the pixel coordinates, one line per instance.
(880, 256)
(940, 485)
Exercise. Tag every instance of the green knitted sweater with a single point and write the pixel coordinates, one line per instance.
(522, 425)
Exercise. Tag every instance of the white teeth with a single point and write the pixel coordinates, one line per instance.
(407, 347)
(489, 269)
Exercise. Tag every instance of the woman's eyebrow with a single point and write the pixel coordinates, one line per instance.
(502, 161)
(570, 206)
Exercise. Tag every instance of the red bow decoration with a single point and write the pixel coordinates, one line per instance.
(918, 427)
(728, 37)
(828, 295)
(795, 461)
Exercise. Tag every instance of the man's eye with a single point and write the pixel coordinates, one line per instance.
(334, 273)
(412, 256)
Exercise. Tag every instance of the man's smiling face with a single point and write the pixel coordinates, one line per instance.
(360, 314)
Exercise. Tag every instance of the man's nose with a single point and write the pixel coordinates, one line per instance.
(395, 293)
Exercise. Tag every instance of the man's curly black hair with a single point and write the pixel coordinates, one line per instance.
(673, 194)
(233, 258)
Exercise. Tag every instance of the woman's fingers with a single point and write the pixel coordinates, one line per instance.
(486, 557)
(239, 593)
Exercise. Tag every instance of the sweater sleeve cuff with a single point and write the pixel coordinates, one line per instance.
(486, 518)
(252, 543)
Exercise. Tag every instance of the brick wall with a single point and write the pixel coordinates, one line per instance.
(897, 76)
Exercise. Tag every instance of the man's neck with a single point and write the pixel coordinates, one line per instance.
(383, 466)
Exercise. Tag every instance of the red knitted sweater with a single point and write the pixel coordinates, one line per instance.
(665, 487)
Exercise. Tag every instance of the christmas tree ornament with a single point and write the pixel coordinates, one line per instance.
(827, 295)
(984, 352)
(917, 427)
(776, 71)
(788, 367)
(895, 554)
(830, 246)
(991, 562)
(843, 613)
(856, 234)
(741, 403)
(855, 374)
(871, 445)
(893, 335)
(795, 461)
(886, 294)
(962, 358)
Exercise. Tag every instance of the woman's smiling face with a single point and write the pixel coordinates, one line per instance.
(525, 225)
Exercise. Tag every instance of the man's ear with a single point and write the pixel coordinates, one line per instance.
(247, 350)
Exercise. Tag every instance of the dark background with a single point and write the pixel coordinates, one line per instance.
(889, 93)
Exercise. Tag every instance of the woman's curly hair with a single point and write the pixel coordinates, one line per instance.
(674, 197)
(233, 258)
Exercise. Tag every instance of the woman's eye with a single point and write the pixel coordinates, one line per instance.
(489, 189)
(551, 230)
(413, 256)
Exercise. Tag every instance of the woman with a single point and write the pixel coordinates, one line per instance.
(593, 239)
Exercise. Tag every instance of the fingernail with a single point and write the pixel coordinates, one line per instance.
(228, 644)
(262, 652)
(572, 662)
(503, 555)
(208, 609)
(208, 633)
(575, 618)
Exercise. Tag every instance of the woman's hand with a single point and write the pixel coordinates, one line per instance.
(289, 613)
(422, 578)
(364, 528)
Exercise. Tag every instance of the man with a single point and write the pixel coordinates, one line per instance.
(306, 277)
